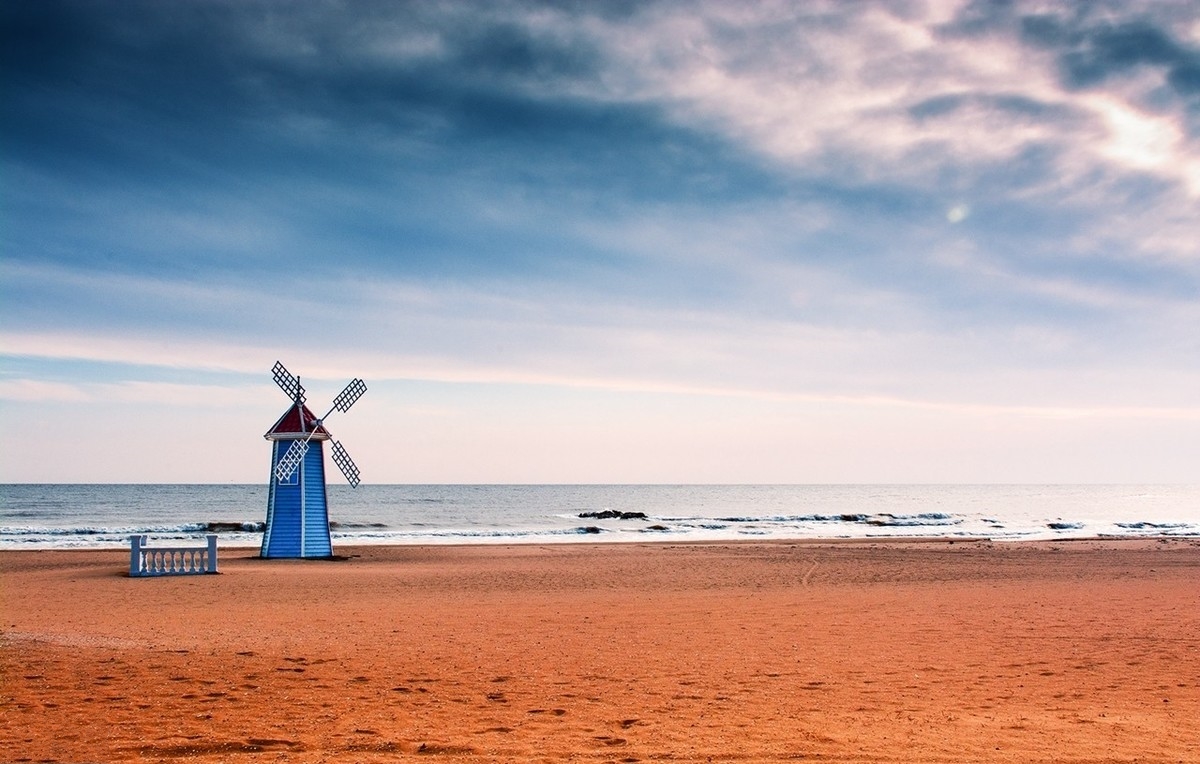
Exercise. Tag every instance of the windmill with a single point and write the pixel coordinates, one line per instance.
(297, 510)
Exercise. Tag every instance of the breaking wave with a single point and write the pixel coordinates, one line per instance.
(881, 520)
(97, 536)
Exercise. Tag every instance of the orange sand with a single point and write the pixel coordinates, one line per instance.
(833, 652)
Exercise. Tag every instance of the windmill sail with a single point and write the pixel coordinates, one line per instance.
(347, 397)
(287, 383)
(344, 463)
(291, 460)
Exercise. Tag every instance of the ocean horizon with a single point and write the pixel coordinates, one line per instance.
(104, 515)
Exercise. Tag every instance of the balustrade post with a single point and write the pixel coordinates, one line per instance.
(212, 553)
(135, 554)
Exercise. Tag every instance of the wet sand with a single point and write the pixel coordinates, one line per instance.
(1084, 651)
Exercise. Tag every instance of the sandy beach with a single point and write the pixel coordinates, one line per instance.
(1083, 651)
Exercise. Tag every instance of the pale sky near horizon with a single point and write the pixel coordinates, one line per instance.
(809, 242)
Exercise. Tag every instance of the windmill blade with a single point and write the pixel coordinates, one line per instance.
(287, 383)
(291, 460)
(345, 463)
(347, 397)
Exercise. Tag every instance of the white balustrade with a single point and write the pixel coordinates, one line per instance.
(171, 561)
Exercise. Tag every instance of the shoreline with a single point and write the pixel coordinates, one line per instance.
(920, 650)
(589, 540)
(198, 540)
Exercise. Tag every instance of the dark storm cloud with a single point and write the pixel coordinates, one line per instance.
(186, 73)
(304, 119)
(1090, 52)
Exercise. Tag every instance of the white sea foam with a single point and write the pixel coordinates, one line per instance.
(104, 516)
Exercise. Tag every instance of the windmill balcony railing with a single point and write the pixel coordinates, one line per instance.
(171, 561)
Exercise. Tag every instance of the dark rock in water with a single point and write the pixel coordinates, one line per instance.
(590, 529)
(1064, 526)
(612, 514)
(657, 528)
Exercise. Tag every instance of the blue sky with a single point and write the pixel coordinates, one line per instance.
(604, 242)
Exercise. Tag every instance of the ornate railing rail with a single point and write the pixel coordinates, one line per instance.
(171, 561)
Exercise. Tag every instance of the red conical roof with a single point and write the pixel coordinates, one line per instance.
(297, 422)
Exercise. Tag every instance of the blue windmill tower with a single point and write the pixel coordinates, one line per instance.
(297, 510)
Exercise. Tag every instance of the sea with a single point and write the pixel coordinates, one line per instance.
(104, 516)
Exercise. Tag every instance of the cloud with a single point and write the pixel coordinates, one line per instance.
(1091, 51)
(1141, 141)
(141, 393)
(945, 204)
(650, 104)
(34, 391)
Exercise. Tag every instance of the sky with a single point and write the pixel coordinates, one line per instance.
(613, 242)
